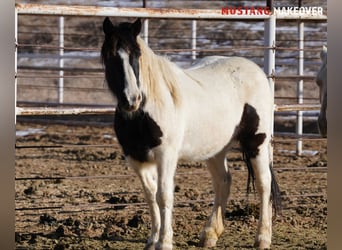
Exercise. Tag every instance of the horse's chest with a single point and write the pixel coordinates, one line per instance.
(137, 134)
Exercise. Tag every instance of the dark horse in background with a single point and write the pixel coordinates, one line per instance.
(165, 113)
(322, 83)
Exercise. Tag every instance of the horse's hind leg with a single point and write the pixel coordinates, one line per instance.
(221, 179)
(263, 177)
(147, 173)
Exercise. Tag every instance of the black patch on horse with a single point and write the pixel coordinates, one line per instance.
(246, 133)
(249, 140)
(137, 133)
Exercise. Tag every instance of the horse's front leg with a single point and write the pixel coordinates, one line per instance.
(167, 162)
(147, 173)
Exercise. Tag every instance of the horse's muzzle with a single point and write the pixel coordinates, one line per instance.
(133, 103)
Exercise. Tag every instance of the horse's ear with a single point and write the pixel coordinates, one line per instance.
(325, 48)
(107, 26)
(136, 27)
(324, 52)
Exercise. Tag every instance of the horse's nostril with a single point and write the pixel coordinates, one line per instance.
(136, 98)
(139, 98)
(134, 102)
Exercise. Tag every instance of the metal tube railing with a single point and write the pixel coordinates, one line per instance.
(61, 59)
(300, 87)
(193, 39)
(193, 14)
(164, 13)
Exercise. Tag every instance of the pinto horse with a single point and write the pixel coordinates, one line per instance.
(322, 82)
(165, 113)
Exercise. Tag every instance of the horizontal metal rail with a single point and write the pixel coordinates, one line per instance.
(98, 73)
(63, 111)
(97, 50)
(106, 110)
(291, 137)
(128, 176)
(78, 10)
(217, 14)
(297, 107)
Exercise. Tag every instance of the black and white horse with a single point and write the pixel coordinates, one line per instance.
(165, 113)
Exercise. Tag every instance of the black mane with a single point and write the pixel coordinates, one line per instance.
(119, 36)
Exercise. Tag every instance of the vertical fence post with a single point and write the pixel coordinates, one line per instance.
(145, 32)
(61, 60)
(193, 39)
(269, 59)
(269, 54)
(15, 62)
(300, 71)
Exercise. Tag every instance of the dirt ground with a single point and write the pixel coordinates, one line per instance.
(71, 195)
(75, 191)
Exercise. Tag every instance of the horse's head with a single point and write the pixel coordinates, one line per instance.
(120, 55)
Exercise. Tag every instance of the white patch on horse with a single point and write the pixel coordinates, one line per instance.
(131, 90)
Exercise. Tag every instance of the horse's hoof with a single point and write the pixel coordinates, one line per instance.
(207, 243)
(208, 238)
(163, 247)
(149, 246)
(263, 244)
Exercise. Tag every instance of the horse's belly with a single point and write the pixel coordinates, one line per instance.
(199, 154)
(206, 138)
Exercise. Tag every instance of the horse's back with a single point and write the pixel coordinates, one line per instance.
(234, 68)
(205, 61)
(233, 74)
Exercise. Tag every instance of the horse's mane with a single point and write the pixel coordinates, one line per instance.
(156, 70)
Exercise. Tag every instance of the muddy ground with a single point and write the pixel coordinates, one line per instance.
(70, 195)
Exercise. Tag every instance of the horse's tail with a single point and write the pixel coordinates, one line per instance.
(275, 190)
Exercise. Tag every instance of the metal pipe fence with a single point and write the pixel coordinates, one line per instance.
(270, 48)
(64, 72)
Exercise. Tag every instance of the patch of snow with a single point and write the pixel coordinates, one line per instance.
(29, 131)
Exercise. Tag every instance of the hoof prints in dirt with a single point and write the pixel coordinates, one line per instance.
(111, 213)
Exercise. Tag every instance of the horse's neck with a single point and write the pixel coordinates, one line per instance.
(158, 73)
(155, 62)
